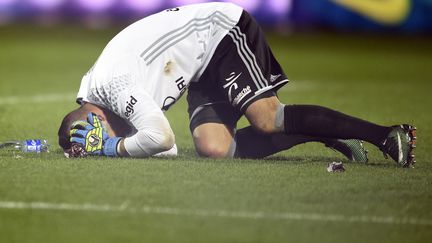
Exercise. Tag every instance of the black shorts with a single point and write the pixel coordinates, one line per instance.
(242, 70)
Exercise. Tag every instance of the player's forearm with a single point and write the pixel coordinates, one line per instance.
(154, 133)
(121, 151)
(147, 143)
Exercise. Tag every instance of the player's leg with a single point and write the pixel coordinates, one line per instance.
(213, 122)
(249, 71)
(253, 93)
(213, 140)
(231, 78)
(214, 136)
(252, 144)
(318, 121)
(312, 120)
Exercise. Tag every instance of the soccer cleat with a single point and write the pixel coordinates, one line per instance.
(400, 144)
(352, 149)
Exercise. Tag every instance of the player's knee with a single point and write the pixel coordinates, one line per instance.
(212, 140)
(211, 150)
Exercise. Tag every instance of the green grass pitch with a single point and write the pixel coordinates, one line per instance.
(289, 197)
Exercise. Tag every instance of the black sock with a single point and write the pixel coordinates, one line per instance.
(251, 144)
(318, 121)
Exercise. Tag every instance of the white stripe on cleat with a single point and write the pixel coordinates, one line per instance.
(400, 156)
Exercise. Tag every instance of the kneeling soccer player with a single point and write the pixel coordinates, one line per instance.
(218, 52)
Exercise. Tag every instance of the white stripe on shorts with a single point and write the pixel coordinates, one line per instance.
(243, 38)
(247, 60)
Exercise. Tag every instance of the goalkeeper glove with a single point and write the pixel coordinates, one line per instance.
(93, 137)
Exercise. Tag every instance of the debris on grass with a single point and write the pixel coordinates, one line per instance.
(336, 167)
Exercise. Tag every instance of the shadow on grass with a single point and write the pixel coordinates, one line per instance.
(189, 155)
(326, 160)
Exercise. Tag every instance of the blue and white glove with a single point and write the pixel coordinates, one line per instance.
(92, 136)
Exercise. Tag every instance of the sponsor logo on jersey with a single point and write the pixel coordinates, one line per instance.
(231, 79)
(181, 85)
(173, 10)
(231, 85)
(130, 106)
(241, 95)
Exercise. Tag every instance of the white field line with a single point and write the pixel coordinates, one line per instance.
(39, 98)
(291, 216)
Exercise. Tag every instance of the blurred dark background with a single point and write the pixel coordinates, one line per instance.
(377, 16)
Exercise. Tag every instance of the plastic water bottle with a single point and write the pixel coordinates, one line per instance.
(26, 146)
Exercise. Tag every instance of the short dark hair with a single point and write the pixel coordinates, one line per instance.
(64, 130)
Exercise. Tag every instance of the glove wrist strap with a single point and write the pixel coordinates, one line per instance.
(110, 146)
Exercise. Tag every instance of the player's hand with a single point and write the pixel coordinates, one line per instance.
(92, 136)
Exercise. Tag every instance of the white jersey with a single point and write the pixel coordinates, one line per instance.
(160, 54)
(148, 66)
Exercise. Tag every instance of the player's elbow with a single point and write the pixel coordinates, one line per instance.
(163, 137)
(167, 139)
(159, 139)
